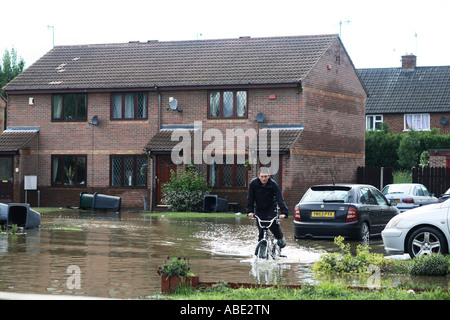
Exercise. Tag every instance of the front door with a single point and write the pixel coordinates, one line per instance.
(163, 166)
(6, 179)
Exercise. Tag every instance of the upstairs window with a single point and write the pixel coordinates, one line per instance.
(419, 122)
(69, 107)
(227, 104)
(374, 122)
(129, 106)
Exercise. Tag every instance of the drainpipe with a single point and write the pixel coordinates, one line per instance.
(159, 107)
(151, 181)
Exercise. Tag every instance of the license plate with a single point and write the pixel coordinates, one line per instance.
(322, 214)
(396, 200)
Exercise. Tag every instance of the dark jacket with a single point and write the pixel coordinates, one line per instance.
(263, 200)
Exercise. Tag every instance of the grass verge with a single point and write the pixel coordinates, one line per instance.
(194, 214)
(325, 291)
(168, 214)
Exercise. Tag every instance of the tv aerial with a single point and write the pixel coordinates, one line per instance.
(173, 105)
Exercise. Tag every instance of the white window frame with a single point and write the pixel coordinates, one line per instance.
(375, 121)
(416, 121)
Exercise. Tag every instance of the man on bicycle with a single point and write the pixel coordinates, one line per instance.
(264, 195)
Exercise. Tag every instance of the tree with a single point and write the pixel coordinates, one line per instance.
(10, 68)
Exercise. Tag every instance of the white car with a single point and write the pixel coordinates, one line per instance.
(408, 195)
(419, 231)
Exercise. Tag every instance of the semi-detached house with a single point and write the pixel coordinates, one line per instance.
(101, 118)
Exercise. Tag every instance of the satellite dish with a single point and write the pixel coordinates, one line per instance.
(94, 121)
(260, 117)
(444, 120)
(173, 105)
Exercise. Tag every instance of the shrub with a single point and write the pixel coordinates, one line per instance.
(345, 262)
(429, 265)
(185, 190)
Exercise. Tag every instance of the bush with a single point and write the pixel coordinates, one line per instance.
(345, 262)
(185, 190)
(429, 265)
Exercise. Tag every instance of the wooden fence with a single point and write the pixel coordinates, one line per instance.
(437, 180)
(375, 176)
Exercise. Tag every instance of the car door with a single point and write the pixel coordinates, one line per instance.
(419, 198)
(428, 198)
(370, 209)
(387, 212)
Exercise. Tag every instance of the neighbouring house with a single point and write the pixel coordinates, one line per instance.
(105, 118)
(408, 97)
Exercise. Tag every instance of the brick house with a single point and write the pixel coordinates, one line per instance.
(90, 118)
(408, 97)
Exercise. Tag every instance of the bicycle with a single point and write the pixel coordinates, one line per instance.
(268, 245)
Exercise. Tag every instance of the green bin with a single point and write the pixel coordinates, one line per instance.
(86, 200)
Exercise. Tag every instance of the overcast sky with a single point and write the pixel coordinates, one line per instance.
(375, 33)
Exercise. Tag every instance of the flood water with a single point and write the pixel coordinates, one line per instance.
(118, 255)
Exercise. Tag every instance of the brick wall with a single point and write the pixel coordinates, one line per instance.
(332, 144)
(438, 161)
(2, 112)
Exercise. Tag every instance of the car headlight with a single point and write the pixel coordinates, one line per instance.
(394, 221)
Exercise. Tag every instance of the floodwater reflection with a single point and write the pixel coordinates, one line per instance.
(118, 255)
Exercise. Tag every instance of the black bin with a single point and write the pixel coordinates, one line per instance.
(212, 203)
(86, 200)
(102, 201)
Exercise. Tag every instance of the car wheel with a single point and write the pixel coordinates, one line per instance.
(364, 233)
(426, 240)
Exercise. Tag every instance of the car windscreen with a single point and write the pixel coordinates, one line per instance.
(327, 194)
(397, 188)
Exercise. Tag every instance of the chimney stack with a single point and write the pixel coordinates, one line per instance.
(409, 61)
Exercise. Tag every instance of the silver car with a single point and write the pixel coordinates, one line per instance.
(419, 231)
(408, 195)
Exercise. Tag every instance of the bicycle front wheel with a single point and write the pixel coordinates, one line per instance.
(261, 250)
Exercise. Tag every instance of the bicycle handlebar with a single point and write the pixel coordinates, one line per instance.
(267, 221)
